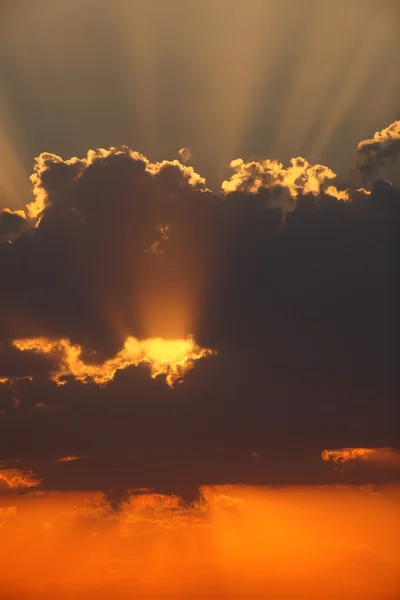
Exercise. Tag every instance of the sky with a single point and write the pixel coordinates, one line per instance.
(199, 241)
(277, 79)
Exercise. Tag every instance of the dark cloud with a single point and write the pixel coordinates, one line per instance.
(287, 279)
(12, 224)
(17, 365)
(381, 152)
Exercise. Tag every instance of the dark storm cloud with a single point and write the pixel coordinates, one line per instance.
(290, 280)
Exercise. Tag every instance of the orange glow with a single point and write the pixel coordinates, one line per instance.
(171, 358)
(5, 513)
(237, 543)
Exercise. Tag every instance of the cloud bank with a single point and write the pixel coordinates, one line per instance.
(278, 291)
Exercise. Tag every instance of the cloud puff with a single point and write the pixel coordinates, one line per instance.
(379, 152)
(299, 177)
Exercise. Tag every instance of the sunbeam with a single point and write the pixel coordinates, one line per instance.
(276, 79)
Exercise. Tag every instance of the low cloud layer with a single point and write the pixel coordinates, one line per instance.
(283, 284)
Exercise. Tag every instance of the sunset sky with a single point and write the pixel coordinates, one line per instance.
(199, 243)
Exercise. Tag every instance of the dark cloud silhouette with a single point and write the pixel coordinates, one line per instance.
(289, 280)
(12, 224)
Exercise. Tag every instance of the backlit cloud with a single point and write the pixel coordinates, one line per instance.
(13, 479)
(171, 358)
(299, 177)
(380, 152)
(350, 457)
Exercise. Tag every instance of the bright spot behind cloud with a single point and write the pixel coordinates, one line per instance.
(172, 358)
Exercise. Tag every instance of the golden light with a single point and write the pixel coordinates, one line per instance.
(171, 358)
(167, 352)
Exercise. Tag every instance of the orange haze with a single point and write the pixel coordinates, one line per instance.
(239, 542)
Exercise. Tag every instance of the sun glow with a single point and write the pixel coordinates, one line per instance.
(171, 358)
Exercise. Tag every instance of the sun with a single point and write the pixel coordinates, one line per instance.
(164, 352)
